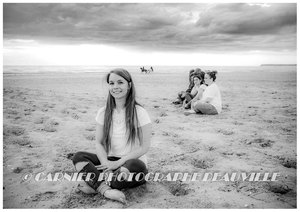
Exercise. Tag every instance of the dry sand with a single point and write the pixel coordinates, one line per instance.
(49, 117)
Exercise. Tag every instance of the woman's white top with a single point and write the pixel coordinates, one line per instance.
(212, 91)
(119, 146)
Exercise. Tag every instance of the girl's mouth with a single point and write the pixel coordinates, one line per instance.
(117, 92)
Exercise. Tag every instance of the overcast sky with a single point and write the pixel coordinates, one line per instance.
(154, 34)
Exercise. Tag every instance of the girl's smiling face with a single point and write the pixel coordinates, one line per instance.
(208, 80)
(197, 81)
(118, 86)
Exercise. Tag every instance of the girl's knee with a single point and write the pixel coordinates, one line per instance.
(78, 157)
(135, 165)
(79, 166)
(206, 109)
(79, 161)
(198, 107)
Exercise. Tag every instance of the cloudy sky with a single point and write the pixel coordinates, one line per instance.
(149, 34)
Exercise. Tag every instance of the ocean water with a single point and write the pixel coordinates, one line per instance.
(136, 69)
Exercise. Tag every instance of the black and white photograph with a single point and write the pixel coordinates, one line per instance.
(149, 105)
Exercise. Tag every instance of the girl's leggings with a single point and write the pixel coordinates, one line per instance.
(134, 166)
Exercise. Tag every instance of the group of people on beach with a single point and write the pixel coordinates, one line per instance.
(203, 95)
(123, 133)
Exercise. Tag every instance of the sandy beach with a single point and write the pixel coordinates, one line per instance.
(48, 117)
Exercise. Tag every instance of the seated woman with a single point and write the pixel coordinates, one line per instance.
(196, 92)
(182, 94)
(211, 102)
(122, 139)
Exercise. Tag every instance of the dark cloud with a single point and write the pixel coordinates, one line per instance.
(250, 20)
(191, 27)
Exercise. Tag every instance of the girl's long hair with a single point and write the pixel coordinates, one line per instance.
(130, 115)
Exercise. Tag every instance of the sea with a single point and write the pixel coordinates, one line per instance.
(136, 69)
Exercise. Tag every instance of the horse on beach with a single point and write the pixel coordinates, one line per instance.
(146, 71)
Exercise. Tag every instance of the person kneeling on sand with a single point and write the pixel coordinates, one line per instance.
(211, 102)
(122, 139)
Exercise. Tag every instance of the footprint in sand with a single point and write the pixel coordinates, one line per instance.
(225, 107)
(261, 142)
(9, 130)
(225, 131)
(75, 116)
(237, 123)
(135, 194)
(191, 148)
(202, 163)
(278, 188)
(41, 120)
(227, 188)
(52, 105)
(27, 111)
(78, 199)
(19, 140)
(177, 188)
(270, 121)
(73, 108)
(174, 135)
(252, 189)
(10, 111)
(237, 186)
(6, 91)
(253, 107)
(178, 142)
(17, 170)
(239, 154)
(43, 196)
(82, 111)
(50, 126)
(211, 148)
(90, 137)
(90, 128)
(45, 109)
(286, 129)
(287, 161)
(65, 111)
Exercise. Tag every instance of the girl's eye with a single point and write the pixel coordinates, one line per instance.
(120, 82)
(111, 83)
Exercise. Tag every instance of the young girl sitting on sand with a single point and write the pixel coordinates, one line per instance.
(182, 94)
(210, 103)
(197, 91)
(122, 139)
